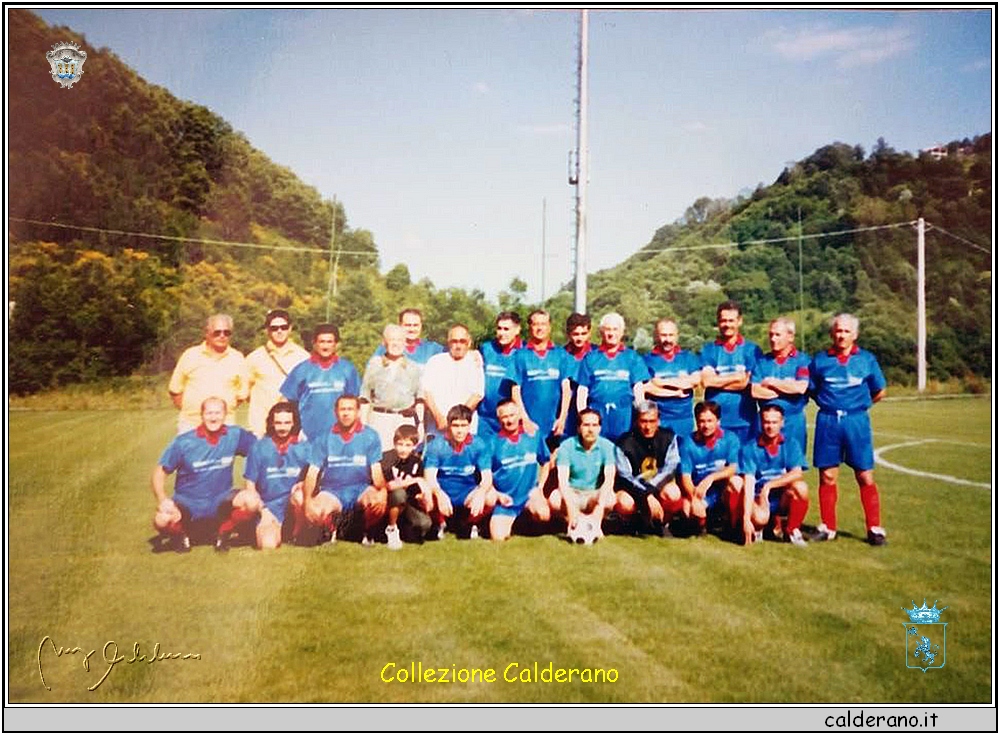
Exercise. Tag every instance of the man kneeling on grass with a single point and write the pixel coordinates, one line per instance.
(345, 465)
(582, 462)
(520, 462)
(409, 500)
(273, 475)
(772, 480)
(709, 483)
(458, 476)
(202, 506)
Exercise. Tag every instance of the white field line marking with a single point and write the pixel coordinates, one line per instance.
(918, 473)
(931, 439)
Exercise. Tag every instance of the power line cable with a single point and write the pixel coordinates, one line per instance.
(174, 238)
(936, 228)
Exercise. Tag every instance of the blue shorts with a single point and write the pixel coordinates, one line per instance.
(278, 507)
(680, 427)
(843, 437)
(795, 428)
(715, 493)
(514, 510)
(743, 433)
(615, 420)
(774, 499)
(348, 496)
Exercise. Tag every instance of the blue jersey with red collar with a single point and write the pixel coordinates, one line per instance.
(609, 381)
(679, 364)
(205, 469)
(420, 352)
(574, 362)
(795, 366)
(345, 459)
(767, 461)
(515, 461)
(458, 471)
(701, 458)
(274, 472)
(317, 388)
(540, 375)
(497, 368)
(738, 407)
(845, 383)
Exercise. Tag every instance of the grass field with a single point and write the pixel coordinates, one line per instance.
(694, 620)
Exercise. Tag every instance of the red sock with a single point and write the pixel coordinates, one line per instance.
(735, 508)
(828, 505)
(797, 508)
(175, 529)
(236, 517)
(870, 502)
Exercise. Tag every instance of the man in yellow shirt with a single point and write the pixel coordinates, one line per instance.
(210, 369)
(269, 365)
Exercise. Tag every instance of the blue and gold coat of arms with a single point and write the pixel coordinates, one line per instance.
(66, 63)
(925, 637)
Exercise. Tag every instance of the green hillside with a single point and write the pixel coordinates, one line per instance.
(115, 159)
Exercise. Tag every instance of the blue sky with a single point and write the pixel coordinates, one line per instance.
(442, 131)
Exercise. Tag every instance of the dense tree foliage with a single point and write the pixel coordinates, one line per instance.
(119, 155)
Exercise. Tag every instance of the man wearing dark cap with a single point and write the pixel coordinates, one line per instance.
(316, 384)
(269, 365)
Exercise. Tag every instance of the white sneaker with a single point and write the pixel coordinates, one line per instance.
(333, 537)
(795, 538)
(474, 532)
(365, 541)
(758, 537)
(392, 538)
(823, 533)
(441, 530)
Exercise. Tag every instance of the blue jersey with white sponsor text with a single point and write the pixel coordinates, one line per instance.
(274, 473)
(540, 375)
(345, 461)
(458, 471)
(795, 366)
(681, 364)
(316, 389)
(204, 470)
(845, 383)
(497, 366)
(701, 458)
(515, 462)
(574, 363)
(738, 407)
(767, 461)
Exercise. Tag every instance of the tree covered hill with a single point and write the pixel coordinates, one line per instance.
(117, 159)
(748, 249)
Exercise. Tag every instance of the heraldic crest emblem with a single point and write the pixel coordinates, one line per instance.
(66, 62)
(925, 637)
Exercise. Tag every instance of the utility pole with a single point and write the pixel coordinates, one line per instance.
(580, 179)
(921, 311)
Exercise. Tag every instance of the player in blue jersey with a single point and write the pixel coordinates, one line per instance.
(675, 373)
(773, 485)
(201, 507)
(520, 466)
(273, 475)
(458, 476)
(781, 378)
(585, 465)
(578, 346)
(316, 384)
(612, 378)
(541, 375)
(709, 462)
(498, 361)
(727, 365)
(845, 381)
(417, 349)
(345, 471)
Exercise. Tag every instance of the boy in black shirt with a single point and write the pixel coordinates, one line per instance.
(403, 471)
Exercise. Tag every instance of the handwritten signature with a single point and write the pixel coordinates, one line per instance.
(111, 657)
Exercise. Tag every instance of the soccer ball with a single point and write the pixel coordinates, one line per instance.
(584, 533)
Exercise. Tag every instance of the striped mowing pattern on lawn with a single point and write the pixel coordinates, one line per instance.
(694, 620)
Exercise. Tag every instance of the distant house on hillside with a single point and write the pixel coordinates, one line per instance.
(937, 152)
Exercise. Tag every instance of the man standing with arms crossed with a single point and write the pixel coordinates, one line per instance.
(541, 380)
(676, 373)
(845, 381)
(498, 360)
(781, 379)
(727, 365)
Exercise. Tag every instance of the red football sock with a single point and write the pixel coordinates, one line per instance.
(797, 508)
(735, 502)
(175, 529)
(828, 505)
(236, 517)
(870, 502)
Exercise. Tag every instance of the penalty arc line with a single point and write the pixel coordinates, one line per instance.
(906, 470)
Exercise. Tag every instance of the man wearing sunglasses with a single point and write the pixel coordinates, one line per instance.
(269, 365)
(210, 369)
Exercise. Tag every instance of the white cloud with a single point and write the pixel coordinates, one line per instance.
(696, 126)
(481, 87)
(847, 47)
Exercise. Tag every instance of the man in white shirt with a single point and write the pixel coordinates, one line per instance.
(269, 365)
(451, 379)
